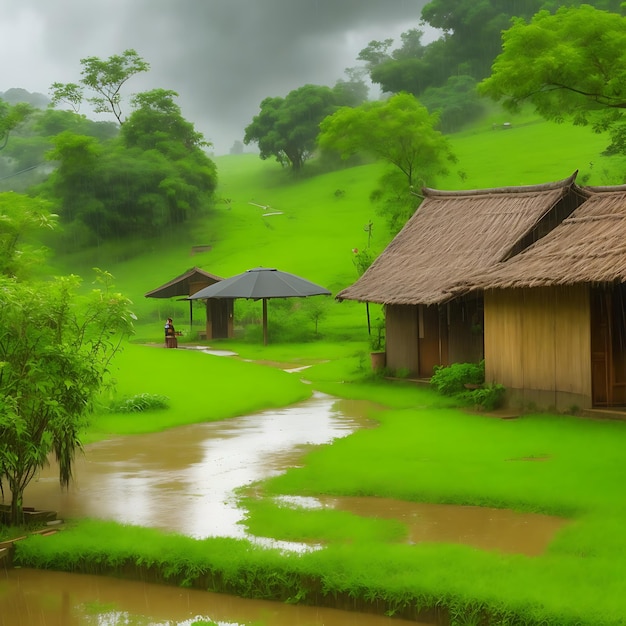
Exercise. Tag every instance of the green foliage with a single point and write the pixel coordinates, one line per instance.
(55, 350)
(568, 65)
(104, 79)
(452, 380)
(457, 103)
(399, 131)
(139, 403)
(21, 219)
(286, 128)
(155, 176)
(11, 116)
(485, 398)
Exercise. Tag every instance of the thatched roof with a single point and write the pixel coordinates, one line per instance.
(181, 285)
(451, 236)
(588, 247)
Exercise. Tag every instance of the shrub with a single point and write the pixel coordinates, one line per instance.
(140, 402)
(485, 398)
(465, 381)
(452, 380)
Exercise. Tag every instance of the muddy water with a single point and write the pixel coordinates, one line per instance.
(35, 598)
(184, 479)
(486, 528)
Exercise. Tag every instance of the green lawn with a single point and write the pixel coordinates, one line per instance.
(424, 449)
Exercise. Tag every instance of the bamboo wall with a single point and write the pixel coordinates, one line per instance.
(538, 345)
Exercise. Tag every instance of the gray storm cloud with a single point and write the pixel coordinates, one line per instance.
(222, 56)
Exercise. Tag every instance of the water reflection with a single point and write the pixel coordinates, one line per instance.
(37, 598)
(184, 479)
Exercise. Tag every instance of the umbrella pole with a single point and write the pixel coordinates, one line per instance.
(264, 321)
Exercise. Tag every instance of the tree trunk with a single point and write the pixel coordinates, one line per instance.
(17, 511)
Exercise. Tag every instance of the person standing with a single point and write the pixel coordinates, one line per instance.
(170, 334)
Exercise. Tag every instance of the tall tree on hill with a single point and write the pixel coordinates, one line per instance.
(568, 65)
(470, 41)
(400, 132)
(104, 79)
(287, 128)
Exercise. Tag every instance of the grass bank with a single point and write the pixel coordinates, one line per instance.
(423, 449)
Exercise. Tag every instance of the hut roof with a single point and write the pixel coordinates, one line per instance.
(451, 236)
(587, 247)
(181, 285)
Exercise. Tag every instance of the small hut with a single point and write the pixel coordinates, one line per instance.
(453, 236)
(219, 313)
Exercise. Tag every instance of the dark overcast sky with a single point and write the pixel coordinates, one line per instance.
(221, 56)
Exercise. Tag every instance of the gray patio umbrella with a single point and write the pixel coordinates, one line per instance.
(261, 283)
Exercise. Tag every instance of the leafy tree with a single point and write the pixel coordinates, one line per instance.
(154, 175)
(11, 116)
(568, 65)
(55, 350)
(410, 68)
(399, 131)
(104, 79)
(286, 128)
(457, 102)
(20, 218)
(472, 28)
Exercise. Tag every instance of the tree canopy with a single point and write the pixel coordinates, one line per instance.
(568, 65)
(399, 131)
(470, 41)
(104, 79)
(11, 116)
(153, 175)
(287, 128)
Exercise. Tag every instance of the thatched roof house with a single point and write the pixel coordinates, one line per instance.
(186, 284)
(555, 314)
(455, 234)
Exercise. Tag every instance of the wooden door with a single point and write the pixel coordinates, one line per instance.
(608, 346)
(432, 339)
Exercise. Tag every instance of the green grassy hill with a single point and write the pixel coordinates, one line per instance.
(310, 225)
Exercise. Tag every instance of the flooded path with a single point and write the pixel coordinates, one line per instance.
(184, 479)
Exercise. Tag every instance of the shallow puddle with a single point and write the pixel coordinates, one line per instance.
(184, 479)
(36, 598)
(482, 527)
